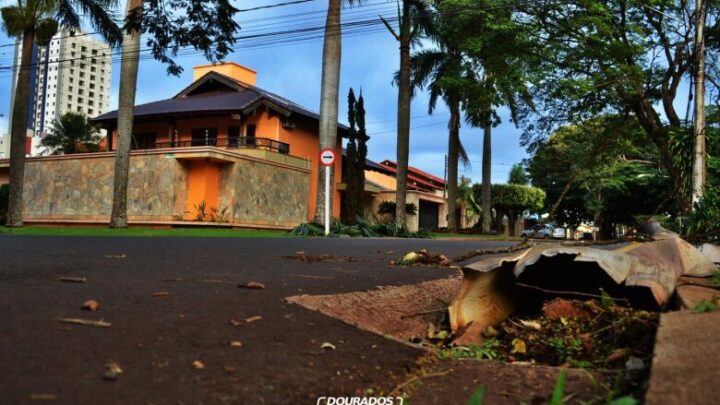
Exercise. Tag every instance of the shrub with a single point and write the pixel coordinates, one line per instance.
(388, 207)
(704, 220)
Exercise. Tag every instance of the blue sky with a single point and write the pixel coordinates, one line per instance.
(369, 61)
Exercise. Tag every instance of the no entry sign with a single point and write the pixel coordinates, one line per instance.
(327, 157)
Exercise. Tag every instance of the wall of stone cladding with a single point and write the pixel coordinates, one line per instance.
(81, 188)
(264, 194)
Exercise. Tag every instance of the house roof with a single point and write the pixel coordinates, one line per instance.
(370, 165)
(416, 171)
(236, 96)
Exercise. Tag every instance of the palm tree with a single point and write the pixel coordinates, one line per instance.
(493, 46)
(72, 133)
(126, 110)
(415, 20)
(449, 77)
(329, 87)
(36, 21)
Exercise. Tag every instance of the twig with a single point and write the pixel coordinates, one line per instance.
(73, 279)
(582, 294)
(423, 313)
(397, 389)
(86, 322)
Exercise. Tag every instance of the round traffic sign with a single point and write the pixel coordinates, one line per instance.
(327, 157)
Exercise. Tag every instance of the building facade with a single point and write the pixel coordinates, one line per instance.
(72, 74)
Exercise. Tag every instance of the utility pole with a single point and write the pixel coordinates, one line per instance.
(699, 172)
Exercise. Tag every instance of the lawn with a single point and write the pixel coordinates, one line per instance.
(179, 232)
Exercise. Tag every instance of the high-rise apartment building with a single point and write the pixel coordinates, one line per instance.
(72, 74)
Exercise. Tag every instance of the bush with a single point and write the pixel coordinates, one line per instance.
(4, 201)
(362, 228)
(388, 207)
(704, 220)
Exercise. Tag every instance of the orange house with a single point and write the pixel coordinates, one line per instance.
(222, 108)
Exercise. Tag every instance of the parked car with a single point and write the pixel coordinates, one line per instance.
(546, 231)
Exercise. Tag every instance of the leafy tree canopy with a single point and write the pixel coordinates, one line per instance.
(616, 170)
(170, 25)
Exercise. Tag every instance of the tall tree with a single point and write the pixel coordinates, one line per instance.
(205, 25)
(616, 171)
(414, 19)
(616, 56)
(329, 88)
(492, 46)
(35, 22)
(448, 76)
(71, 133)
(354, 170)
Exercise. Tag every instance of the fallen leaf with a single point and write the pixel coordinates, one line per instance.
(531, 324)
(490, 332)
(410, 257)
(160, 294)
(235, 322)
(112, 371)
(91, 305)
(327, 345)
(617, 354)
(253, 319)
(254, 285)
(236, 343)
(229, 369)
(561, 308)
(198, 365)
(299, 252)
(519, 346)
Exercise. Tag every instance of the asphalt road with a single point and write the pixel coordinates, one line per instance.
(155, 339)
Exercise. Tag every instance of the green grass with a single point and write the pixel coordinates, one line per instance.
(179, 232)
(443, 235)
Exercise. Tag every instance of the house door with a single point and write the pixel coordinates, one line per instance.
(233, 135)
(429, 212)
(250, 135)
(204, 137)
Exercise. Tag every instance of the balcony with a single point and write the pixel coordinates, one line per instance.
(239, 142)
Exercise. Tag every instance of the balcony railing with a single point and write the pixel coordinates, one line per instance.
(240, 142)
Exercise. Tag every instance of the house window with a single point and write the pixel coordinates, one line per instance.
(143, 141)
(204, 137)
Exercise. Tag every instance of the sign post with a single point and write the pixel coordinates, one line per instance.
(327, 159)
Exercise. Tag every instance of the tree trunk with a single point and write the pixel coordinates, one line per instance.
(699, 165)
(486, 202)
(329, 87)
(18, 132)
(126, 111)
(453, 151)
(403, 121)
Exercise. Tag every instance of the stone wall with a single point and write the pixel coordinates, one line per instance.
(259, 193)
(80, 188)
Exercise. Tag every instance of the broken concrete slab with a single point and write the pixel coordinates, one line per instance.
(643, 274)
(686, 364)
(401, 312)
